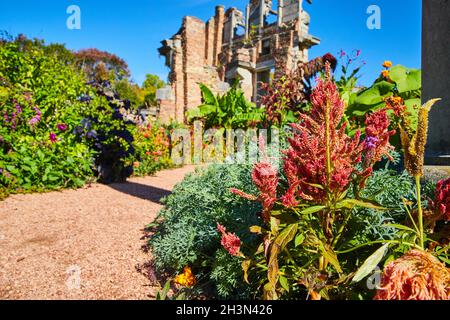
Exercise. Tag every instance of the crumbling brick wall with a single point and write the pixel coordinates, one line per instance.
(212, 52)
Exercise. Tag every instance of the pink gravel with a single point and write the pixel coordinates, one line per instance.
(81, 244)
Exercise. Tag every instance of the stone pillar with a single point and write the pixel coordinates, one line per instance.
(194, 60)
(436, 77)
(219, 19)
(210, 35)
(177, 80)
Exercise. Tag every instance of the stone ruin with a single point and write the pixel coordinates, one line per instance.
(267, 40)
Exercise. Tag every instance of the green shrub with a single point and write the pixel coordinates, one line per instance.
(56, 131)
(231, 110)
(39, 109)
(187, 230)
(152, 143)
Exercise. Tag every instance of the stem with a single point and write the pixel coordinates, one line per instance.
(420, 212)
(322, 263)
(341, 230)
(327, 135)
(411, 217)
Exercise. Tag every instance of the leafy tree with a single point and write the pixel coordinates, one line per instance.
(101, 65)
(150, 85)
(131, 92)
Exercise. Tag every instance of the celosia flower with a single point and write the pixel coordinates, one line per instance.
(230, 241)
(186, 279)
(387, 64)
(53, 138)
(306, 164)
(441, 203)
(62, 127)
(377, 137)
(265, 177)
(385, 73)
(416, 276)
(243, 194)
(414, 147)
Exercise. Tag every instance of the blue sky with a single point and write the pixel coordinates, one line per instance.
(133, 29)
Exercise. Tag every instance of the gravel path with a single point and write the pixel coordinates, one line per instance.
(81, 244)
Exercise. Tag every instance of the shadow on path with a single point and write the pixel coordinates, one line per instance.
(141, 191)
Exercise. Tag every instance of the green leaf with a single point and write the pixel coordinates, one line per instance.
(165, 290)
(406, 79)
(299, 239)
(274, 225)
(256, 229)
(312, 210)
(283, 239)
(375, 94)
(207, 95)
(399, 227)
(351, 203)
(284, 283)
(286, 236)
(181, 296)
(245, 267)
(331, 257)
(370, 264)
(272, 271)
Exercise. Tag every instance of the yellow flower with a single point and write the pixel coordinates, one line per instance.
(387, 64)
(397, 100)
(186, 279)
(385, 73)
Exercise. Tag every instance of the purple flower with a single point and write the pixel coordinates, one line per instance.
(342, 53)
(18, 109)
(53, 137)
(371, 143)
(6, 117)
(62, 127)
(38, 112)
(34, 121)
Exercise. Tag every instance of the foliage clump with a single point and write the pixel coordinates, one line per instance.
(186, 231)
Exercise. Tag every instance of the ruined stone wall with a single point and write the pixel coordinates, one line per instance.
(194, 40)
(212, 53)
(177, 80)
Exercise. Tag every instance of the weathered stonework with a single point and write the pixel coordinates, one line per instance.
(232, 46)
(436, 78)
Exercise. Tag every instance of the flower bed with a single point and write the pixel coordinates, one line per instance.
(328, 218)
